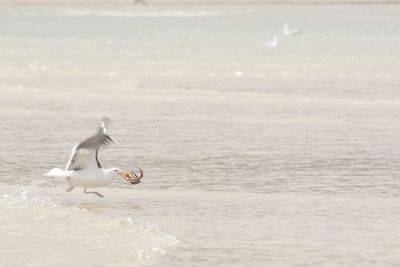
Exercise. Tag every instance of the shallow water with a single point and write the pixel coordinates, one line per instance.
(253, 155)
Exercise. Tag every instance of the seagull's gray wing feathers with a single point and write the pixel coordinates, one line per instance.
(98, 140)
(85, 154)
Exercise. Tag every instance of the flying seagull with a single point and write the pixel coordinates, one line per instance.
(84, 168)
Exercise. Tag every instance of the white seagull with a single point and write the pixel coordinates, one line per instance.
(288, 31)
(271, 43)
(84, 169)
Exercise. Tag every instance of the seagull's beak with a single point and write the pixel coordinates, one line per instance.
(123, 173)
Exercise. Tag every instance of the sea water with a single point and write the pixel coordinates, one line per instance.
(258, 148)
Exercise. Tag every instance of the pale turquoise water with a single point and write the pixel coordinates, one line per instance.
(253, 155)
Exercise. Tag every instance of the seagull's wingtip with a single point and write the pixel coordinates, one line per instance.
(105, 122)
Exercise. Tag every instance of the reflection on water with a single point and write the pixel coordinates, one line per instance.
(99, 208)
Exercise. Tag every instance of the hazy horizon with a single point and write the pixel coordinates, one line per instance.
(189, 2)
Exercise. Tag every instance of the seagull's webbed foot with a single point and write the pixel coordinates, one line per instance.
(93, 192)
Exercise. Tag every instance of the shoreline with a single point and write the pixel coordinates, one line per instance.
(150, 3)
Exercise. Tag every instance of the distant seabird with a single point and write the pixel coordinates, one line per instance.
(288, 31)
(84, 168)
(271, 43)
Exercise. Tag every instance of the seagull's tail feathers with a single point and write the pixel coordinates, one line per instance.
(56, 173)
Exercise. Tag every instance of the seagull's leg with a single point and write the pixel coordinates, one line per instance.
(93, 192)
(71, 186)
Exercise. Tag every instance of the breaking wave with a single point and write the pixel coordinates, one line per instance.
(35, 226)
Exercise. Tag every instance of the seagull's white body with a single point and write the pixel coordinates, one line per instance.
(92, 179)
(83, 168)
(88, 179)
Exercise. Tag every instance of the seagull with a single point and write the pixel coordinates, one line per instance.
(84, 168)
(287, 31)
(271, 43)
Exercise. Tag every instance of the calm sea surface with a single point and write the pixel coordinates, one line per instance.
(258, 149)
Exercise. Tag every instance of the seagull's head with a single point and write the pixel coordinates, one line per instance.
(114, 172)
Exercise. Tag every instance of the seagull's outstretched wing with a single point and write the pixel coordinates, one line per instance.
(85, 154)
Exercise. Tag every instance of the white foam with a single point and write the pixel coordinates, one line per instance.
(36, 226)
